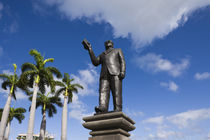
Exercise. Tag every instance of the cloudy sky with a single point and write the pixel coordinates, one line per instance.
(166, 47)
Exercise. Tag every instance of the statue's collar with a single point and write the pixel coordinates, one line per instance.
(108, 51)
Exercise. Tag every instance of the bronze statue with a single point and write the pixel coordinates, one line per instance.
(112, 74)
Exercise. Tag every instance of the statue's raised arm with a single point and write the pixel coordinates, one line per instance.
(95, 60)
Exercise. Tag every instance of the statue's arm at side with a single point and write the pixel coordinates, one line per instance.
(122, 63)
(95, 60)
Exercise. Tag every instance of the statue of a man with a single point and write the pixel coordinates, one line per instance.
(112, 74)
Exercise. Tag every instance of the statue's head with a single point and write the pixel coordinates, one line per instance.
(108, 44)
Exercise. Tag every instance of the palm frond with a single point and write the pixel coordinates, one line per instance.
(31, 80)
(28, 66)
(37, 56)
(15, 67)
(4, 76)
(78, 86)
(60, 84)
(70, 97)
(72, 89)
(48, 79)
(66, 78)
(56, 100)
(48, 60)
(60, 91)
(66, 85)
(42, 87)
(22, 86)
(51, 81)
(54, 71)
(27, 75)
(20, 117)
(39, 104)
(6, 84)
(20, 110)
(18, 114)
(52, 110)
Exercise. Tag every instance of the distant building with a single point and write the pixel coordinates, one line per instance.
(35, 136)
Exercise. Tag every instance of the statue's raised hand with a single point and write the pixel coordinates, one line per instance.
(86, 45)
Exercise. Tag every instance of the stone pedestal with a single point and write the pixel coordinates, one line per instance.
(109, 126)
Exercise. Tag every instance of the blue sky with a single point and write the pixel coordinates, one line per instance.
(166, 47)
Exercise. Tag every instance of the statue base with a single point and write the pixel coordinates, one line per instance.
(109, 126)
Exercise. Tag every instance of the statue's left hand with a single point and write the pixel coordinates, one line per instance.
(121, 75)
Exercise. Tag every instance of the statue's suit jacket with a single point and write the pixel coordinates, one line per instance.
(111, 60)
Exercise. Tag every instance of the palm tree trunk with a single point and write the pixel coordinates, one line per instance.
(43, 127)
(6, 136)
(32, 114)
(64, 120)
(5, 116)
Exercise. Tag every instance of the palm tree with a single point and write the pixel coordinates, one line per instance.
(38, 76)
(13, 82)
(16, 113)
(48, 105)
(67, 89)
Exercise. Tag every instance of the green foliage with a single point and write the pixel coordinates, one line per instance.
(39, 73)
(12, 82)
(67, 87)
(48, 103)
(17, 113)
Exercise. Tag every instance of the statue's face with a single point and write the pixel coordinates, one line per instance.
(108, 45)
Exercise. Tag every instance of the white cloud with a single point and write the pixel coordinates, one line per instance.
(185, 118)
(12, 28)
(133, 113)
(88, 78)
(181, 119)
(208, 137)
(1, 9)
(156, 120)
(163, 131)
(78, 109)
(202, 76)
(156, 63)
(1, 6)
(170, 85)
(7, 72)
(40, 8)
(178, 126)
(21, 95)
(141, 20)
(163, 134)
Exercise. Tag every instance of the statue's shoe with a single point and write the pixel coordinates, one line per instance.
(100, 110)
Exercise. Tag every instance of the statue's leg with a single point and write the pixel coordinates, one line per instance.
(104, 94)
(116, 88)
